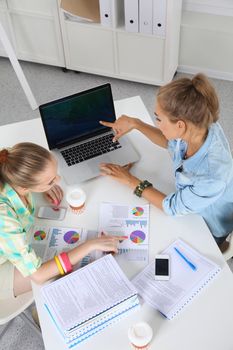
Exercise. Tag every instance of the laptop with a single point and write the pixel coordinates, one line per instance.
(78, 140)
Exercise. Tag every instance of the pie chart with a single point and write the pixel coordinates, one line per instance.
(137, 211)
(137, 237)
(71, 237)
(39, 235)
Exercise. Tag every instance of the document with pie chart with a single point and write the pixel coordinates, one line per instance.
(50, 241)
(131, 221)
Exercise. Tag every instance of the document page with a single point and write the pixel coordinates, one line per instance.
(87, 292)
(131, 221)
(169, 297)
(50, 241)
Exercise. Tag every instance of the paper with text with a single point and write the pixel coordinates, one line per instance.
(87, 293)
(131, 221)
(50, 241)
(169, 297)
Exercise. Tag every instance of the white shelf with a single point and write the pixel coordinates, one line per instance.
(40, 33)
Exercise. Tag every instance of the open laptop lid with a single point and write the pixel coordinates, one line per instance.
(75, 118)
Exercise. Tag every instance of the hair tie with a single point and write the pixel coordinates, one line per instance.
(3, 156)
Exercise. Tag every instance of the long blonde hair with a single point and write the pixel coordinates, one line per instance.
(22, 164)
(193, 100)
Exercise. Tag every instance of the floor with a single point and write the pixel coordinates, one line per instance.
(48, 83)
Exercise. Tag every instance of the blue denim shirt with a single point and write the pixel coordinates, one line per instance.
(204, 182)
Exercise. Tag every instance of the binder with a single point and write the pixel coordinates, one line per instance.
(111, 12)
(86, 301)
(106, 13)
(146, 16)
(159, 17)
(131, 15)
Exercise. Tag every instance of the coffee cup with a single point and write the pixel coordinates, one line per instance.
(76, 199)
(140, 336)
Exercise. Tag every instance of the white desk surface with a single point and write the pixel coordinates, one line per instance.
(207, 322)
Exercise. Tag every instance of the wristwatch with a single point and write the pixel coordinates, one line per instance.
(141, 187)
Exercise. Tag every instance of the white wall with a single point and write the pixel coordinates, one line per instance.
(206, 42)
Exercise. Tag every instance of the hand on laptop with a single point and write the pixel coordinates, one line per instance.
(119, 173)
(54, 195)
(121, 126)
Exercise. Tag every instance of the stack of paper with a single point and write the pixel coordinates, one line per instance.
(86, 301)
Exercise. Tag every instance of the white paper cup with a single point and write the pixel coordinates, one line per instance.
(76, 199)
(140, 335)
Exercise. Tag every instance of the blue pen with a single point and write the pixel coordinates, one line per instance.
(193, 267)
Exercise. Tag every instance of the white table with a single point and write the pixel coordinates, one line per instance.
(207, 322)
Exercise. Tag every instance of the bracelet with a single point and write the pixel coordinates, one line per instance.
(141, 187)
(59, 266)
(64, 258)
(62, 263)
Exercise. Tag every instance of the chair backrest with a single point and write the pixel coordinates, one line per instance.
(10, 308)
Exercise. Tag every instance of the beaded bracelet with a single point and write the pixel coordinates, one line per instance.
(141, 187)
(66, 262)
(59, 266)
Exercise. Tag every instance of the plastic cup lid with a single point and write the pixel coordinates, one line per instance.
(76, 197)
(140, 334)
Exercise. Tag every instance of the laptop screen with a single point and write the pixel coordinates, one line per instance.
(76, 117)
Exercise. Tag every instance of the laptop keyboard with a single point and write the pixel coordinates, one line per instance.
(90, 149)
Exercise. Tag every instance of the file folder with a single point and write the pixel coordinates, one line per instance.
(131, 15)
(111, 12)
(146, 16)
(159, 17)
(106, 13)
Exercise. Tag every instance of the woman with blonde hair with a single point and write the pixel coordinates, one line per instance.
(27, 168)
(186, 116)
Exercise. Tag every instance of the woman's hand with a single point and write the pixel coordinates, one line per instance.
(121, 126)
(106, 243)
(54, 195)
(119, 173)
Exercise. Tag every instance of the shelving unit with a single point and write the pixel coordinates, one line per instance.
(117, 53)
(34, 29)
(40, 33)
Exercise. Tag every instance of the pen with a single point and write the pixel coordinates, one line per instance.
(193, 267)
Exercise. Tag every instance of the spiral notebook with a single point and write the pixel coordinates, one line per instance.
(88, 300)
(170, 297)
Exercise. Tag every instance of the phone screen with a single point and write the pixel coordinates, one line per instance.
(161, 267)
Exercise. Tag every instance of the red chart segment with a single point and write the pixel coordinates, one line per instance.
(137, 237)
(71, 237)
(137, 211)
(39, 235)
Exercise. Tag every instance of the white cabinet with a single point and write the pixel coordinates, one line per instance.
(89, 48)
(35, 30)
(117, 53)
(5, 20)
(40, 32)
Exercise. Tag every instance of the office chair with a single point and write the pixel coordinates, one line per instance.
(10, 308)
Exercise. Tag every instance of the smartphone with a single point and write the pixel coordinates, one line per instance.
(162, 267)
(51, 213)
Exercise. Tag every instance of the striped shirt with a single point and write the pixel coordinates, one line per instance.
(15, 222)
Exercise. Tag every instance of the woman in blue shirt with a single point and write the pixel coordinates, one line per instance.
(186, 114)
